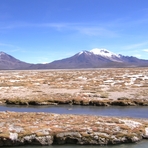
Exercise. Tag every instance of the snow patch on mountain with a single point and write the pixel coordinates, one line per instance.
(103, 52)
(85, 52)
(106, 54)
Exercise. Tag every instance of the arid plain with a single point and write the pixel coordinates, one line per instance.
(125, 86)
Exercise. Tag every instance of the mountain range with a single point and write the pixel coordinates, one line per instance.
(95, 58)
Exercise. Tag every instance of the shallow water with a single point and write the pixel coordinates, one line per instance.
(133, 111)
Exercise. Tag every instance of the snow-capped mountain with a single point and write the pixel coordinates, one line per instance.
(98, 58)
(95, 58)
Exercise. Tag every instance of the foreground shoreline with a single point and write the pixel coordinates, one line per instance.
(48, 129)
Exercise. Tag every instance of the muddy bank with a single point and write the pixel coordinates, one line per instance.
(76, 100)
(47, 129)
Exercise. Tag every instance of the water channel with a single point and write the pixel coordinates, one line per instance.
(135, 111)
(132, 111)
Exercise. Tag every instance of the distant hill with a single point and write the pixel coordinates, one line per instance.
(9, 62)
(95, 58)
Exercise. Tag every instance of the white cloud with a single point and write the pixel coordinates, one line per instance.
(87, 29)
(137, 45)
(146, 50)
(95, 31)
(8, 45)
(11, 48)
(83, 28)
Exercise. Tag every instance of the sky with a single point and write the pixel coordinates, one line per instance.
(41, 31)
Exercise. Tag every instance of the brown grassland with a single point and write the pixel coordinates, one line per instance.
(125, 86)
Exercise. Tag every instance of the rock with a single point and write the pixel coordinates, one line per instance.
(44, 140)
(30, 139)
(145, 135)
(13, 136)
(67, 137)
(136, 139)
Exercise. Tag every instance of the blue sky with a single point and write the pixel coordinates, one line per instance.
(40, 31)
